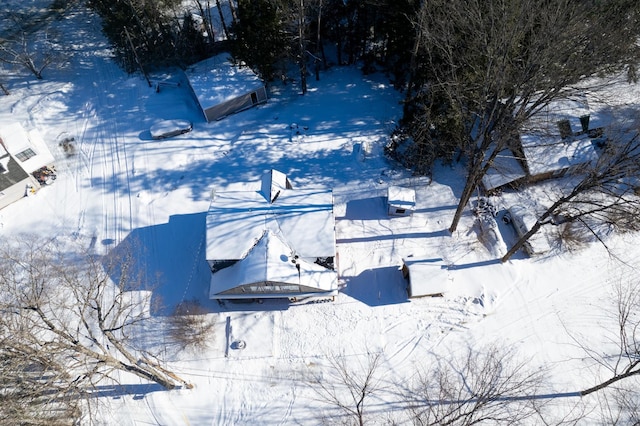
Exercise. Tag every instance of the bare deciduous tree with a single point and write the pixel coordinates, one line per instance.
(190, 327)
(482, 386)
(34, 56)
(349, 385)
(624, 363)
(616, 405)
(35, 389)
(65, 311)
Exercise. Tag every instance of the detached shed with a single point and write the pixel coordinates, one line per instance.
(401, 201)
(426, 277)
(222, 88)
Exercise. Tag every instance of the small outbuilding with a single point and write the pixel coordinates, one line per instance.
(561, 137)
(222, 88)
(272, 241)
(426, 277)
(401, 201)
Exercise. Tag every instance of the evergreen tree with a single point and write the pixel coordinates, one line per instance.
(191, 42)
(145, 33)
(259, 39)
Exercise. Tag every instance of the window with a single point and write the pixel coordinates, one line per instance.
(254, 98)
(25, 155)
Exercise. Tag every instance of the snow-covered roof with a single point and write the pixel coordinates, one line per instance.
(546, 120)
(401, 197)
(427, 277)
(548, 154)
(274, 262)
(216, 80)
(27, 148)
(303, 217)
(272, 183)
(505, 169)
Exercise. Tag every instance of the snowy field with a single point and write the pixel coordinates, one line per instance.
(122, 186)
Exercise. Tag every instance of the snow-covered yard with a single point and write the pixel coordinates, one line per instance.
(122, 187)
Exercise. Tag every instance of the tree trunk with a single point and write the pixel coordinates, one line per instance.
(302, 52)
(609, 382)
(316, 61)
(477, 171)
(222, 21)
(234, 13)
(518, 245)
(413, 64)
(4, 89)
(135, 55)
(206, 21)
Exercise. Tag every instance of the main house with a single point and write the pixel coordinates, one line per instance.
(272, 241)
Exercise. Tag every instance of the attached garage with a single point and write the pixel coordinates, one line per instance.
(222, 88)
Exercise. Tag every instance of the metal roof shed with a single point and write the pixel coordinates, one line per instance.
(222, 88)
(548, 157)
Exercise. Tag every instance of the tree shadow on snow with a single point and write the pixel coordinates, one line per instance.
(138, 391)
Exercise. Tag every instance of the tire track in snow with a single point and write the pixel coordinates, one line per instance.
(289, 409)
(113, 161)
(437, 321)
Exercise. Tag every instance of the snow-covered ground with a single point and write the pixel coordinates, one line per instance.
(121, 186)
